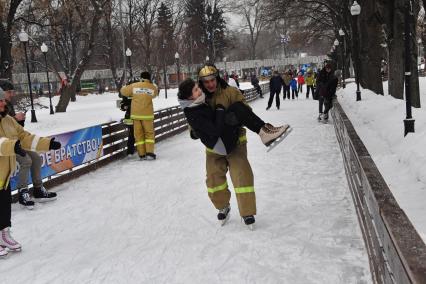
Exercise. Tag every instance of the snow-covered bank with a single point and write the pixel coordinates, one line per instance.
(91, 110)
(378, 120)
(152, 222)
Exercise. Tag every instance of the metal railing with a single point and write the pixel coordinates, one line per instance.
(397, 254)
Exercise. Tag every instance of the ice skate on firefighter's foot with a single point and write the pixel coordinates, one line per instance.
(249, 221)
(223, 215)
(7, 241)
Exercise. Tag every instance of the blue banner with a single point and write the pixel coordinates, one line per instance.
(78, 147)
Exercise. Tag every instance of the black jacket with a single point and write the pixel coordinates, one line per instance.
(254, 81)
(209, 126)
(276, 83)
(326, 84)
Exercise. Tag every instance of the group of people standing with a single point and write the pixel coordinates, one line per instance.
(321, 85)
(290, 82)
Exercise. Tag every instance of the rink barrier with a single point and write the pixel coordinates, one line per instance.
(167, 123)
(397, 253)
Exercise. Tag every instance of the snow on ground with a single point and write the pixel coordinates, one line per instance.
(378, 120)
(152, 222)
(91, 110)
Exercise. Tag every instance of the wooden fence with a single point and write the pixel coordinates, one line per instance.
(167, 123)
(397, 254)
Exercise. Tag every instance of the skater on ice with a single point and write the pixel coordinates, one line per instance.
(220, 97)
(31, 162)
(326, 90)
(14, 140)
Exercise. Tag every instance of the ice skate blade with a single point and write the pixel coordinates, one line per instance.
(27, 207)
(224, 221)
(14, 250)
(250, 227)
(44, 200)
(279, 139)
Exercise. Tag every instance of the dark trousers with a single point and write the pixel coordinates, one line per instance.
(277, 98)
(130, 140)
(294, 93)
(259, 90)
(286, 92)
(300, 88)
(5, 208)
(310, 88)
(246, 117)
(326, 102)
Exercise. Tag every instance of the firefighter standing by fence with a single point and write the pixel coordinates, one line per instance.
(142, 114)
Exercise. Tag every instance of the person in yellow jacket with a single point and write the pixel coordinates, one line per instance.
(12, 136)
(142, 114)
(218, 92)
(310, 81)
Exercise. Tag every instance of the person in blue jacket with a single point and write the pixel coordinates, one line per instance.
(293, 85)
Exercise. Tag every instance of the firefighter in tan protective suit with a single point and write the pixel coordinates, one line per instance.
(142, 114)
(218, 92)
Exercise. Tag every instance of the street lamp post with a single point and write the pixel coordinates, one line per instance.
(164, 67)
(355, 11)
(408, 121)
(23, 37)
(343, 49)
(44, 49)
(177, 66)
(129, 56)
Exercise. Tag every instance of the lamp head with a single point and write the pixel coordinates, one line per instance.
(44, 48)
(355, 9)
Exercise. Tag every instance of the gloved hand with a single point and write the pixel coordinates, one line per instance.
(231, 119)
(18, 149)
(54, 145)
(123, 106)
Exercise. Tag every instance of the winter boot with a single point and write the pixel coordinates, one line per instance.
(42, 195)
(25, 199)
(320, 116)
(151, 156)
(268, 136)
(3, 252)
(223, 214)
(8, 242)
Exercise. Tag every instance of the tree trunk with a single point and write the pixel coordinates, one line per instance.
(396, 51)
(370, 49)
(414, 79)
(66, 95)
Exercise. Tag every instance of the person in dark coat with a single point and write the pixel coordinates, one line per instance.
(255, 83)
(218, 129)
(326, 90)
(275, 85)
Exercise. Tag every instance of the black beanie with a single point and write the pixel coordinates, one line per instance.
(6, 85)
(185, 89)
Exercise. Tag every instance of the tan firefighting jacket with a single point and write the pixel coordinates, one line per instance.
(141, 94)
(10, 132)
